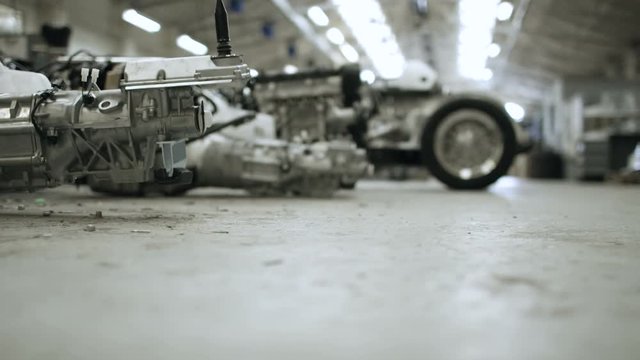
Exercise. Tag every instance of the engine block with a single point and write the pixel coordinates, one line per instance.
(49, 137)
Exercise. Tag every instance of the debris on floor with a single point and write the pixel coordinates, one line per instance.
(40, 202)
(141, 231)
(274, 262)
(43, 236)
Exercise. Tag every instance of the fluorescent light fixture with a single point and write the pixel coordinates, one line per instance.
(136, 19)
(318, 16)
(505, 10)
(477, 20)
(187, 43)
(11, 20)
(486, 74)
(350, 53)
(254, 73)
(367, 76)
(335, 36)
(369, 27)
(516, 111)
(494, 50)
(290, 69)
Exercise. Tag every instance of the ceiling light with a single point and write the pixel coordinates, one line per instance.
(494, 50)
(189, 44)
(335, 36)
(486, 74)
(350, 53)
(505, 10)
(11, 20)
(290, 69)
(369, 27)
(516, 111)
(477, 20)
(318, 16)
(367, 76)
(136, 19)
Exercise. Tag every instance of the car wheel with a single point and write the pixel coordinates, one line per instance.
(469, 145)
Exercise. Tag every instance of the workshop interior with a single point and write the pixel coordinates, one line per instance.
(319, 179)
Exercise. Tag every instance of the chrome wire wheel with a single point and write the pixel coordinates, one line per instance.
(468, 144)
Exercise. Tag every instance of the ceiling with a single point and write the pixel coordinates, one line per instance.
(543, 41)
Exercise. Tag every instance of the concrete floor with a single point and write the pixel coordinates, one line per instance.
(529, 270)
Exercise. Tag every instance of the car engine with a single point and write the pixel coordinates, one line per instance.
(240, 151)
(49, 137)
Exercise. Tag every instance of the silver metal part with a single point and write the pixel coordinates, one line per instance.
(53, 137)
(174, 155)
(262, 167)
(307, 109)
(202, 71)
(277, 167)
(249, 157)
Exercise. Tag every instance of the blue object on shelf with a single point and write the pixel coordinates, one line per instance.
(292, 50)
(268, 29)
(237, 6)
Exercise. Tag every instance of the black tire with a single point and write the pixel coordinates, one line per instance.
(454, 181)
(348, 185)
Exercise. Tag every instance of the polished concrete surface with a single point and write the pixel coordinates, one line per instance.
(528, 270)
